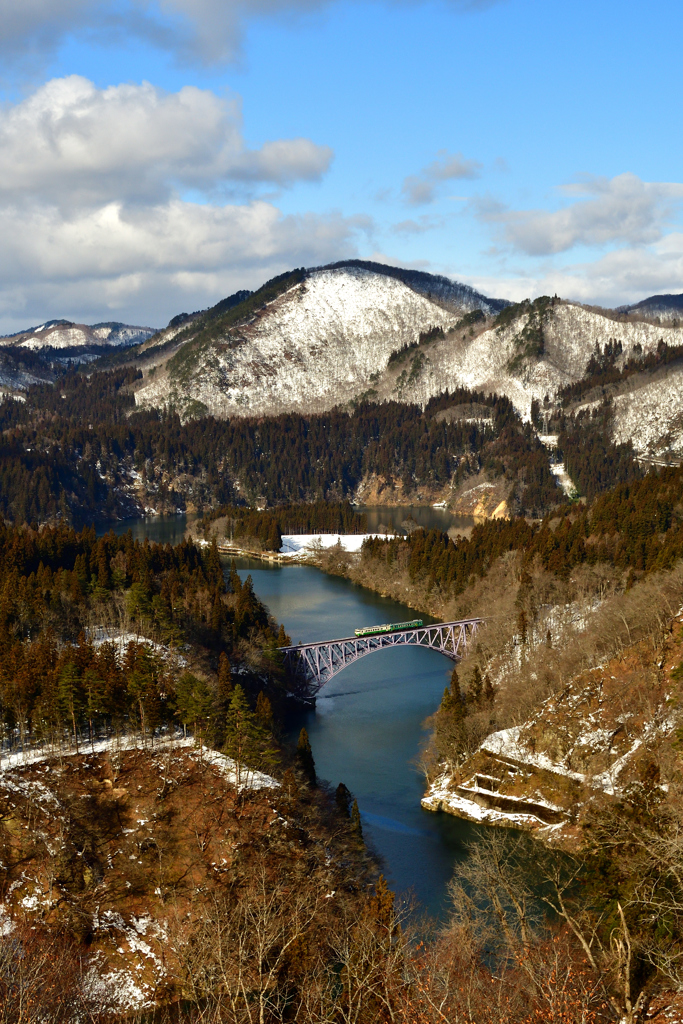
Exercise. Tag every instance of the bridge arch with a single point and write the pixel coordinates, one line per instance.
(317, 663)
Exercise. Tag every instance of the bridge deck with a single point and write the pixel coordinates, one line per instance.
(376, 636)
(319, 661)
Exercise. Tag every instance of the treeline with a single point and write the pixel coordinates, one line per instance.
(78, 455)
(75, 452)
(268, 526)
(88, 627)
(592, 459)
(635, 527)
(75, 397)
(602, 370)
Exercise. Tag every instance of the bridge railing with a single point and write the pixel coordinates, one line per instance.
(318, 662)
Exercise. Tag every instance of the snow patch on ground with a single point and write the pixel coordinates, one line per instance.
(508, 744)
(295, 544)
(248, 777)
(563, 479)
(120, 640)
(441, 797)
(651, 417)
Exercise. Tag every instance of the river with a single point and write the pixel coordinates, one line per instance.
(367, 726)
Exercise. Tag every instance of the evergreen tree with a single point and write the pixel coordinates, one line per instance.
(382, 906)
(70, 697)
(476, 686)
(274, 541)
(214, 567)
(93, 691)
(342, 797)
(222, 697)
(234, 581)
(283, 640)
(455, 685)
(446, 705)
(264, 711)
(224, 678)
(304, 756)
(356, 823)
(246, 742)
(194, 703)
(240, 734)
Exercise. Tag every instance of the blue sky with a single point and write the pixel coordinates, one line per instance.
(155, 158)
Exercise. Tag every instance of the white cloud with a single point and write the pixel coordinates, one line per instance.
(208, 31)
(419, 189)
(71, 142)
(94, 208)
(623, 276)
(146, 263)
(623, 209)
(416, 227)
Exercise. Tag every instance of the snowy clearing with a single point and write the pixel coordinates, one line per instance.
(296, 544)
(248, 777)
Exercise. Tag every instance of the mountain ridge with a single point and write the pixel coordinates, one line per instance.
(352, 331)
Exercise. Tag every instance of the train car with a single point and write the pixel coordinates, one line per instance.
(387, 627)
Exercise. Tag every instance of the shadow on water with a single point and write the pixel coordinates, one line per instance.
(159, 529)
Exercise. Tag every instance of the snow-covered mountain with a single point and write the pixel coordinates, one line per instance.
(451, 294)
(660, 307)
(63, 334)
(323, 340)
(333, 335)
(494, 358)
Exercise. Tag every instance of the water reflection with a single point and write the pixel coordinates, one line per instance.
(381, 517)
(159, 529)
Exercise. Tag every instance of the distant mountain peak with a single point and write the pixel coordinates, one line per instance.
(431, 285)
(666, 306)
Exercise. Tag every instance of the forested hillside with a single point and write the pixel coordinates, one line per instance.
(79, 450)
(109, 644)
(92, 634)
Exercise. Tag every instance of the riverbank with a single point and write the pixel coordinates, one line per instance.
(367, 726)
(392, 580)
(304, 548)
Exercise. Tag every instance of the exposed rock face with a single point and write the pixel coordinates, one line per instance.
(586, 744)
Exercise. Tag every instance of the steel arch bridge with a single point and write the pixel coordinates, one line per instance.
(317, 663)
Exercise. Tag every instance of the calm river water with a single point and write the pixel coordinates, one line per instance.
(367, 727)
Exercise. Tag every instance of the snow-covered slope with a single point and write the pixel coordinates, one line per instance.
(651, 416)
(332, 336)
(452, 294)
(328, 340)
(313, 347)
(570, 336)
(62, 334)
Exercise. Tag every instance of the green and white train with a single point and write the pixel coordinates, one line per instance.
(388, 627)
